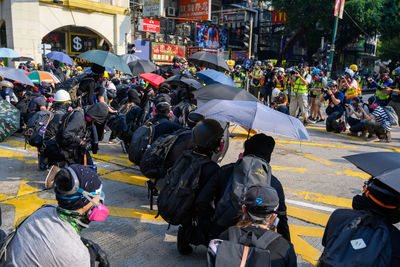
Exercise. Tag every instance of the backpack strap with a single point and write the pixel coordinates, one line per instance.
(244, 256)
(266, 239)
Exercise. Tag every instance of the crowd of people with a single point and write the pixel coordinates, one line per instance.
(237, 210)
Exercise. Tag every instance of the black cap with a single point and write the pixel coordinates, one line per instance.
(260, 145)
(261, 200)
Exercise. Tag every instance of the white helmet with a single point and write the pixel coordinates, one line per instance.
(111, 87)
(275, 93)
(281, 70)
(62, 96)
(6, 84)
(349, 72)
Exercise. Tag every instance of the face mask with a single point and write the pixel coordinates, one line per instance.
(316, 78)
(99, 211)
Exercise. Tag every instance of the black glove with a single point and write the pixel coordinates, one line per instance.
(96, 253)
(86, 146)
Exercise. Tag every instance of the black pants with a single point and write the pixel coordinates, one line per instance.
(355, 125)
(331, 124)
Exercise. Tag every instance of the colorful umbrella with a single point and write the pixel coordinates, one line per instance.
(106, 59)
(9, 120)
(61, 57)
(152, 79)
(7, 52)
(15, 75)
(42, 76)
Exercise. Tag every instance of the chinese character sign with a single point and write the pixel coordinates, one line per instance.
(152, 8)
(166, 52)
(195, 9)
(279, 16)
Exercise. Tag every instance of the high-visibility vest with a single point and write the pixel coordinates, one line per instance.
(316, 84)
(380, 94)
(280, 86)
(358, 88)
(299, 86)
(256, 73)
(239, 79)
(352, 92)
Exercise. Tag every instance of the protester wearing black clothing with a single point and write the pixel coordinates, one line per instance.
(58, 71)
(269, 84)
(261, 146)
(175, 68)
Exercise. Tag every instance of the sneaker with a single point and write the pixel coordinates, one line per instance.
(183, 247)
(320, 120)
(312, 120)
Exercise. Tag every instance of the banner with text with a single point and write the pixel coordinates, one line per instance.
(149, 25)
(152, 8)
(195, 9)
(166, 52)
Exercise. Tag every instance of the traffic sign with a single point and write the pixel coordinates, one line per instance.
(247, 63)
(44, 48)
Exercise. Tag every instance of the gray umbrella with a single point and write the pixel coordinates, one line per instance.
(106, 59)
(209, 60)
(384, 166)
(128, 58)
(142, 66)
(221, 91)
(15, 75)
(254, 115)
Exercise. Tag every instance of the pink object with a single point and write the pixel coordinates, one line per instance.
(240, 155)
(88, 119)
(99, 213)
(51, 99)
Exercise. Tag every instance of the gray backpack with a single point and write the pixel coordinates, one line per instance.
(242, 249)
(249, 170)
(394, 119)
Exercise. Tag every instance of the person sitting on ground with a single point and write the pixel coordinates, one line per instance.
(6, 92)
(260, 146)
(51, 235)
(378, 122)
(279, 101)
(255, 233)
(335, 108)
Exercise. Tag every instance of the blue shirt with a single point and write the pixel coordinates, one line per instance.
(339, 96)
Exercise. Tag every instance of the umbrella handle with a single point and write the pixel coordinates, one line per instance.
(248, 134)
(84, 159)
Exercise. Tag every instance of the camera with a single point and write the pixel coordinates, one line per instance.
(294, 71)
(324, 90)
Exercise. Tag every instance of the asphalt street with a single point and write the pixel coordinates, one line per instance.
(316, 179)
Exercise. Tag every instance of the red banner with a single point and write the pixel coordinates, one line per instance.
(279, 16)
(166, 52)
(195, 9)
(149, 25)
(339, 8)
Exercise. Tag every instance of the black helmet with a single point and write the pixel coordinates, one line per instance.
(126, 81)
(115, 81)
(193, 119)
(207, 134)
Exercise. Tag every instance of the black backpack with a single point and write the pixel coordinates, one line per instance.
(242, 249)
(179, 188)
(142, 139)
(117, 123)
(359, 241)
(63, 124)
(36, 128)
(152, 163)
(248, 171)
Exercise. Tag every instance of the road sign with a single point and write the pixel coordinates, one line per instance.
(44, 49)
(247, 63)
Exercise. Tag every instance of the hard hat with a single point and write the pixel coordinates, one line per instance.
(62, 96)
(79, 68)
(281, 69)
(275, 93)
(111, 87)
(316, 72)
(353, 67)
(231, 62)
(238, 67)
(258, 63)
(6, 84)
(349, 72)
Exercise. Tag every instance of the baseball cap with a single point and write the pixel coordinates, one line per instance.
(261, 200)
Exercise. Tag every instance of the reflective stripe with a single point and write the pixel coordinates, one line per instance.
(299, 86)
(381, 95)
(358, 88)
(257, 74)
(351, 92)
(279, 85)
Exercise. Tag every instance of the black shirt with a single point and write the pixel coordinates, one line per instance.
(165, 127)
(340, 215)
(281, 251)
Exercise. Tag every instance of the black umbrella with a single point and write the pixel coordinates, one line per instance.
(22, 59)
(142, 66)
(383, 166)
(183, 80)
(221, 91)
(209, 60)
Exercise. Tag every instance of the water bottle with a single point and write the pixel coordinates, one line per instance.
(42, 130)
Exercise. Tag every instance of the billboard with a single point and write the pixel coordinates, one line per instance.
(279, 16)
(149, 25)
(152, 8)
(79, 42)
(211, 37)
(166, 52)
(142, 49)
(195, 9)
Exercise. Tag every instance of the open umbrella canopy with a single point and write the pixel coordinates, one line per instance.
(375, 163)
(61, 57)
(42, 76)
(209, 60)
(9, 120)
(106, 59)
(185, 81)
(22, 59)
(15, 75)
(141, 66)
(7, 52)
(220, 91)
(128, 58)
(152, 79)
(108, 70)
(212, 76)
(254, 115)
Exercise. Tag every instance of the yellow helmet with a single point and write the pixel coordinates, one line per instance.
(353, 67)
(79, 68)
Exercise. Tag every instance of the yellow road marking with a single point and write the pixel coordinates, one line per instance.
(361, 175)
(113, 159)
(317, 197)
(4, 153)
(308, 215)
(322, 161)
(285, 168)
(124, 177)
(303, 248)
(342, 135)
(134, 213)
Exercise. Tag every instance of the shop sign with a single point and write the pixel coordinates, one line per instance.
(279, 16)
(149, 25)
(152, 8)
(190, 50)
(195, 9)
(233, 17)
(166, 52)
(142, 49)
(239, 55)
(79, 42)
(56, 40)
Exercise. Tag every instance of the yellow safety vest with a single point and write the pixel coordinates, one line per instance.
(279, 85)
(300, 87)
(351, 92)
(380, 94)
(256, 73)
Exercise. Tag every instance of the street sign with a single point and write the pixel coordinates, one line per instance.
(247, 63)
(44, 49)
(149, 25)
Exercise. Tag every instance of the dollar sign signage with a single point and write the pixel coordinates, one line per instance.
(77, 43)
